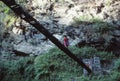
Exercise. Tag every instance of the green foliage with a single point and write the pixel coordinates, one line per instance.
(117, 65)
(108, 2)
(57, 65)
(102, 27)
(83, 78)
(105, 55)
(9, 16)
(52, 66)
(98, 24)
(84, 52)
(33, 42)
(20, 70)
(1, 32)
(89, 52)
(9, 20)
(115, 76)
(87, 18)
(5, 9)
(81, 18)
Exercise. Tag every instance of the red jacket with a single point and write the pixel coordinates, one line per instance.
(66, 42)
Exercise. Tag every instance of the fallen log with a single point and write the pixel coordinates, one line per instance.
(19, 53)
(28, 18)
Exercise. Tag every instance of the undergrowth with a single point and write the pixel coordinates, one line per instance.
(55, 66)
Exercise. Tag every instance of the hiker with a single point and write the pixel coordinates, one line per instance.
(66, 41)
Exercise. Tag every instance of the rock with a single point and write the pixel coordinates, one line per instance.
(17, 30)
(59, 37)
(118, 23)
(105, 15)
(62, 22)
(74, 42)
(116, 33)
(94, 64)
(31, 49)
(70, 31)
(40, 37)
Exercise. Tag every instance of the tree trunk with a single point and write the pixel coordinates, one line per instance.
(24, 15)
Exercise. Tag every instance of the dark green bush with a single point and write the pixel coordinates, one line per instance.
(56, 65)
(115, 76)
(17, 70)
(90, 52)
(117, 65)
(52, 66)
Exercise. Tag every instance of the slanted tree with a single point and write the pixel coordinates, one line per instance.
(25, 16)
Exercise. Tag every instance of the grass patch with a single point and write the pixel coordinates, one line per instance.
(86, 18)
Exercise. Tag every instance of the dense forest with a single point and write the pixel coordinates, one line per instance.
(92, 27)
